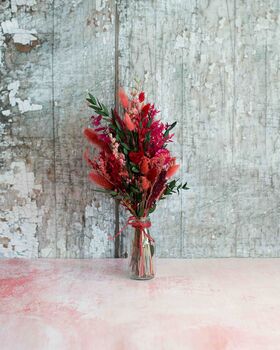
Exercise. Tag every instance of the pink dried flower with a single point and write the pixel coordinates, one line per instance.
(96, 120)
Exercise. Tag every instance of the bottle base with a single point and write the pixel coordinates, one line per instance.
(143, 278)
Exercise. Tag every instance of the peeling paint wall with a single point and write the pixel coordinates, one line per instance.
(211, 65)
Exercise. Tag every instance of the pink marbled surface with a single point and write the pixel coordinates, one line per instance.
(90, 304)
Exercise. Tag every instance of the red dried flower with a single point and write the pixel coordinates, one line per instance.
(145, 110)
(157, 188)
(152, 175)
(136, 157)
(141, 96)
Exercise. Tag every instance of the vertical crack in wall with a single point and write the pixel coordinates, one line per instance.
(265, 94)
(234, 103)
(118, 241)
(54, 129)
(182, 157)
(233, 46)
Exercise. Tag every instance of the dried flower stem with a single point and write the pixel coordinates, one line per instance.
(141, 265)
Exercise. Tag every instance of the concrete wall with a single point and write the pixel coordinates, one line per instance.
(211, 65)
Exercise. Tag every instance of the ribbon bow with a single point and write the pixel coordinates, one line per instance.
(136, 223)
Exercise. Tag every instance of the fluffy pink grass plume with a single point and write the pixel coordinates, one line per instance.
(94, 138)
(86, 157)
(123, 98)
(128, 122)
(172, 170)
(100, 181)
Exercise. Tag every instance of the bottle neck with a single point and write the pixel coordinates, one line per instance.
(142, 220)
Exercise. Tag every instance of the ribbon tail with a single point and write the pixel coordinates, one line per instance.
(117, 234)
(148, 236)
(141, 270)
(125, 226)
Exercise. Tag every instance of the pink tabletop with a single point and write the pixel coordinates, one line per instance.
(91, 304)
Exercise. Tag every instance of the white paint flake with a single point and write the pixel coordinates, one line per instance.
(24, 38)
(181, 40)
(20, 221)
(20, 179)
(222, 22)
(100, 5)
(99, 242)
(26, 106)
(6, 113)
(10, 26)
(20, 36)
(13, 89)
(16, 3)
(23, 105)
(2, 44)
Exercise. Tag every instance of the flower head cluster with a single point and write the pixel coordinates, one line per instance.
(133, 162)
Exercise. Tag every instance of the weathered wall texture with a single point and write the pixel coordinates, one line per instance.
(214, 66)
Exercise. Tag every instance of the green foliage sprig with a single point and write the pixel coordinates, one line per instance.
(174, 187)
(97, 106)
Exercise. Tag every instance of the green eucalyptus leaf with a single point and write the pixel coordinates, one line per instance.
(166, 133)
(125, 146)
(134, 189)
(92, 98)
(118, 124)
(135, 169)
(97, 106)
(172, 126)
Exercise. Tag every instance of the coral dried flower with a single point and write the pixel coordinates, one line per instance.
(123, 98)
(145, 183)
(172, 170)
(128, 122)
(100, 181)
(144, 166)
